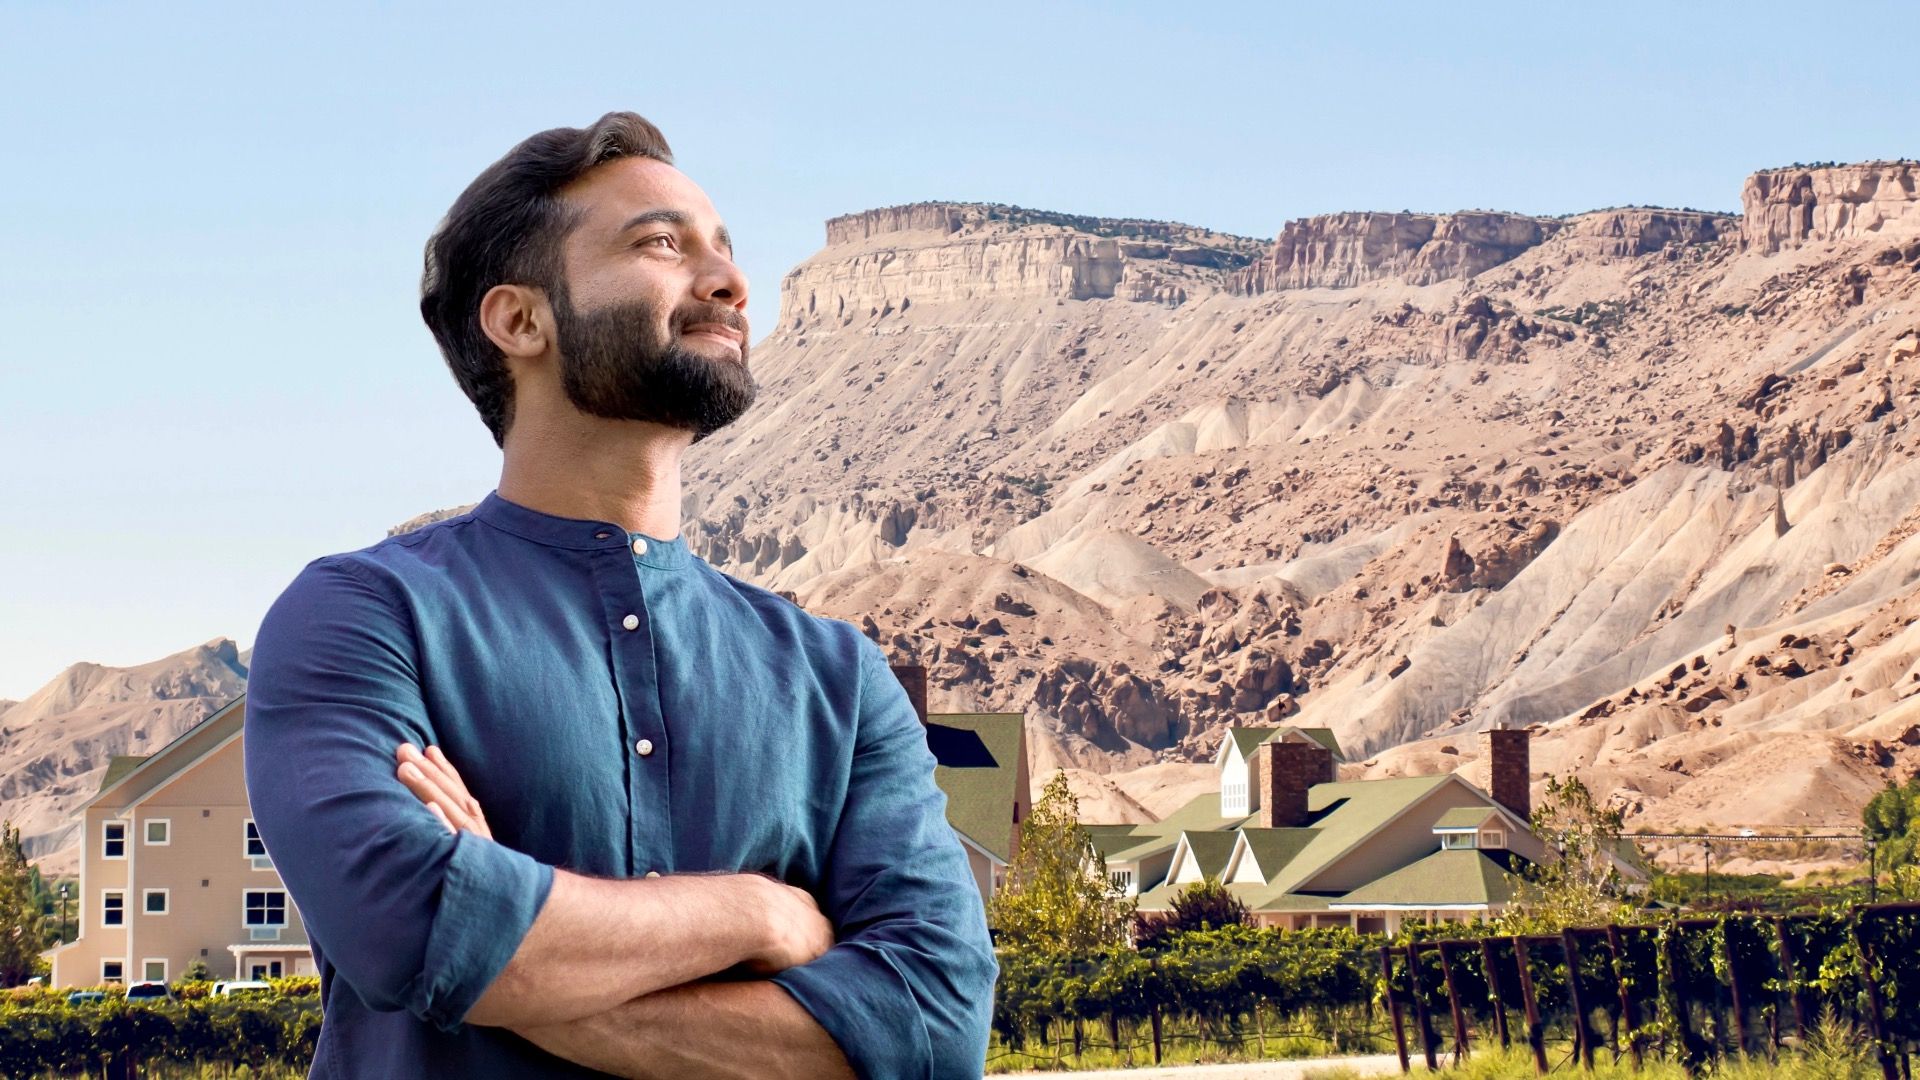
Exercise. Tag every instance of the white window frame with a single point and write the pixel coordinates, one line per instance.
(166, 901)
(1496, 839)
(162, 961)
(250, 835)
(146, 832)
(105, 978)
(285, 903)
(106, 827)
(1121, 880)
(122, 894)
(266, 969)
(1460, 841)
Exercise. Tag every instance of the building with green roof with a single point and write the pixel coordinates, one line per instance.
(1302, 848)
(981, 765)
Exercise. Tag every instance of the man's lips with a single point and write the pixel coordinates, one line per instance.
(725, 333)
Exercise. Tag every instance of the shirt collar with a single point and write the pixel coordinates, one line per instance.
(577, 534)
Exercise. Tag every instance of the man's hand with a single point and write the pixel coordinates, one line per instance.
(792, 930)
(434, 781)
(796, 932)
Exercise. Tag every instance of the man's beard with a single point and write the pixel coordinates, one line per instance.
(613, 363)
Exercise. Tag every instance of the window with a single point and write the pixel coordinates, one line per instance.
(113, 839)
(1458, 841)
(266, 907)
(159, 831)
(1496, 839)
(268, 969)
(154, 901)
(1233, 798)
(154, 970)
(113, 971)
(113, 907)
(1122, 880)
(257, 848)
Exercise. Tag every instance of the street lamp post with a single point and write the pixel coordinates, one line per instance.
(63, 913)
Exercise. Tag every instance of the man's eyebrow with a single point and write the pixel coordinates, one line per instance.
(721, 236)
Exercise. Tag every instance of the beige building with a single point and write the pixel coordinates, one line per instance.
(172, 871)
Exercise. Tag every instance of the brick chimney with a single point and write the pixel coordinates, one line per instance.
(1288, 767)
(1510, 752)
(913, 678)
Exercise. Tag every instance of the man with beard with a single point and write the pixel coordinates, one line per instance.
(554, 797)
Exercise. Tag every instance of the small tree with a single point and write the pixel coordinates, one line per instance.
(1580, 883)
(20, 930)
(1204, 905)
(1057, 898)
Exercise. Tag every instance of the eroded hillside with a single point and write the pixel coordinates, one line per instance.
(1401, 475)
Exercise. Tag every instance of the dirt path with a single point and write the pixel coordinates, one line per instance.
(1369, 1065)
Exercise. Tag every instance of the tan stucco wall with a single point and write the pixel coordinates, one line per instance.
(203, 867)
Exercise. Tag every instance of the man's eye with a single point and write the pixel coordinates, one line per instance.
(661, 239)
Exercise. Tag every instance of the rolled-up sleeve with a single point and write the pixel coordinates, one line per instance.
(409, 916)
(907, 991)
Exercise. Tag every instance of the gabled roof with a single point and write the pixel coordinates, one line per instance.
(1456, 878)
(1247, 738)
(1273, 849)
(120, 765)
(978, 766)
(1464, 818)
(1347, 813)
(1208, 850)
(1201, 812)
(130, 779)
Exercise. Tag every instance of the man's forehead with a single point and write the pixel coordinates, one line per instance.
(619, 190)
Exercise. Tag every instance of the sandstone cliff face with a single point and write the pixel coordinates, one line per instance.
(880, 263)
(1634, 231)
(1785, 208)
(1343, 250)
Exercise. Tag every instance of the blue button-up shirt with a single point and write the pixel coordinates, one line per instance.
(540, 652)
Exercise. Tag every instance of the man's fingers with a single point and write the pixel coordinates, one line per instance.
(453, 783)
(434, 809)
(424, 788)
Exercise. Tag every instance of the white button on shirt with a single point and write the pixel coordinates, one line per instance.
(639, 546)
(631, 622)
(645, 746)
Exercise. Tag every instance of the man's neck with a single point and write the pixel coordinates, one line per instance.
(625, 472)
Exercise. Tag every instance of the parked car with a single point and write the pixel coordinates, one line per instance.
(149, 992)
(86, 997)
(240, 988)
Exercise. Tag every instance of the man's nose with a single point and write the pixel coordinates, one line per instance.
(722, 282)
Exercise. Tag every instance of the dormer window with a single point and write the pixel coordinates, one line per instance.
(1459, 841)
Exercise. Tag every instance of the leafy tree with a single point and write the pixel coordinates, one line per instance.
(1580, 883)
(20, 928)
(1057, 898)
(1203, 905)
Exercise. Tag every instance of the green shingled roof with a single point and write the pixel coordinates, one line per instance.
(1465, 817)
(1347, 813)
(1274, 849)
(1201, 812)
(118, 767)
(1444, 878)
(980, 799)
(1210, 850)
(1246, 738)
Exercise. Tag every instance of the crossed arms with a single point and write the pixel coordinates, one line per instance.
(608, 974)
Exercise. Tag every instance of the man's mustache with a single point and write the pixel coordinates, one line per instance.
(731, 318)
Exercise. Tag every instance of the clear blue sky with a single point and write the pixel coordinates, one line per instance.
(211, 368)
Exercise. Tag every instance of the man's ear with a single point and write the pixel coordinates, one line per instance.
(518, 320)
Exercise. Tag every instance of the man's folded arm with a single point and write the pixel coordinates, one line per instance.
(448, 926)
(907, 991)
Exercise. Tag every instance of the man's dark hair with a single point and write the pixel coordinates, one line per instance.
(507, 228)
